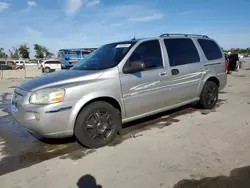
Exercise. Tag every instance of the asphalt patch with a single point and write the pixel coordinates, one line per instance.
(238, 178)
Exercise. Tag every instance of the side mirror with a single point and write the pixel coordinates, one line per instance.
(133, 67)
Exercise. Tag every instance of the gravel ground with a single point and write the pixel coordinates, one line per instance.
(181, 148)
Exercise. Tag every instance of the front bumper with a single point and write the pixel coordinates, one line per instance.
(48, 121)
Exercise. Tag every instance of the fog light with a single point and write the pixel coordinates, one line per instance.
(37, 116)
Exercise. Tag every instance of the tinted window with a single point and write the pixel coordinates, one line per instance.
(52, 62)
(181, 51)
(148, 52)
(210, 49)
(2, 62)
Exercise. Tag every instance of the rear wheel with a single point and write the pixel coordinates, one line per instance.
(47, 70)
(97, 124)
(209, 95)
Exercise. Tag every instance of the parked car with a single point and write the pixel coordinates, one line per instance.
(50, 66)
(31, 63)
(3, 65)
(19, 64)
(11, 64)
(241, 56)
(121, 82)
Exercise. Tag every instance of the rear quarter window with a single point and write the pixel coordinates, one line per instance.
(210, 48)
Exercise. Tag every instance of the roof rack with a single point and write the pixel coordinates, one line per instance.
(186, 35)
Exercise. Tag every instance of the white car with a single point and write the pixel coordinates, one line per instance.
(50, 66)
(241, 56)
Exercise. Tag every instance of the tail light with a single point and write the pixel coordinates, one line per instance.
(41, 65)
(226, 65)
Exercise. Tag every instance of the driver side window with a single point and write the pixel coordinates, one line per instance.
(149, 53)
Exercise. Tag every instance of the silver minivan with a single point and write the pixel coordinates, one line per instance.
(121, 82)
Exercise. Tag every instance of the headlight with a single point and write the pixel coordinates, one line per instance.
(47, 96)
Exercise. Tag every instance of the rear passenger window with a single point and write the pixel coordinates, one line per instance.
(150, 53)
(210, 49)
(181, 51)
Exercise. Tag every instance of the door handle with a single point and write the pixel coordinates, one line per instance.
(163, 73)
(175, 71)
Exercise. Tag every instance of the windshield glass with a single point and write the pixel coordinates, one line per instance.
(105, 57)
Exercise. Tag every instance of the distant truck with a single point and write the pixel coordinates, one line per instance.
(69, 57)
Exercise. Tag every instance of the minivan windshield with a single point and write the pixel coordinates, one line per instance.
(105, 57)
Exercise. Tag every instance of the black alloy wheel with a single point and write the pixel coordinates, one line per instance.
(97, 124)
(209, 95)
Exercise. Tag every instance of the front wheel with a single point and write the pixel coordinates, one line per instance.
(97, 124)
(209, 95)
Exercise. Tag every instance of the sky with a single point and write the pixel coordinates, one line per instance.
(59, 24)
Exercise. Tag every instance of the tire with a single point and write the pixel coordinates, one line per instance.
(98, 132)
(209, 95)
(47, 70)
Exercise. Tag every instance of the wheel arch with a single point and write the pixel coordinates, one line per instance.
(209, 78)
(87, 101)
(213, 79)
(109, 100)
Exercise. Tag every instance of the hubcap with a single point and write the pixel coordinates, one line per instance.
(99, 125)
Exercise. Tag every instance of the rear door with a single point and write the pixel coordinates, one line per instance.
(57, 65)
(186, 69)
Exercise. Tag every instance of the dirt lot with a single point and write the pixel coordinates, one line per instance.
(169, 150)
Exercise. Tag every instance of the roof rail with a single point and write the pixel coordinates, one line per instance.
(186, 35)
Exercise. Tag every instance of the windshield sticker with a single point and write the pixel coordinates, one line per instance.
(123, 45)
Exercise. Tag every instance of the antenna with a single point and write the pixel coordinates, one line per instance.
(134, 37)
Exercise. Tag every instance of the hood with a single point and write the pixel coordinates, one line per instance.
(59, 78)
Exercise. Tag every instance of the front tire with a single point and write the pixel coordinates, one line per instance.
(209, 95)
(97, 124)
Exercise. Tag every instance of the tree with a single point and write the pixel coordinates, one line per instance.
(14, 53)
(47, 53)
(42, 51)
(24, 51)
(39, 51)
(2, 53)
